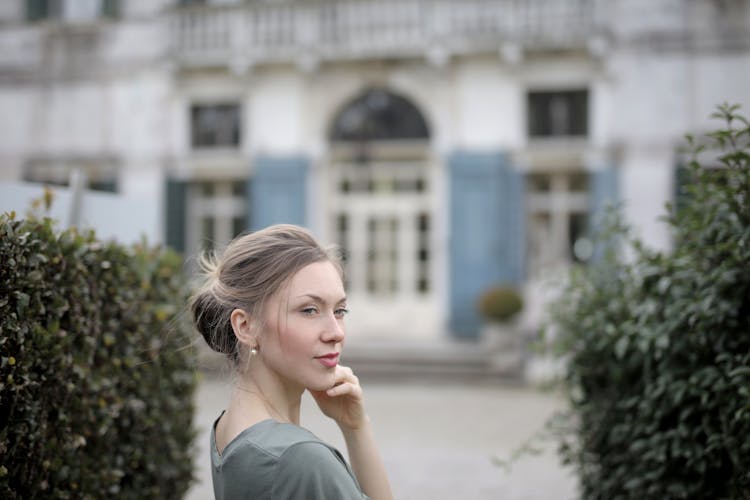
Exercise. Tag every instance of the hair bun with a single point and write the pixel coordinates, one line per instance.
(209, 319)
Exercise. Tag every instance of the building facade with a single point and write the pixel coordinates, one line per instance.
(446, 146)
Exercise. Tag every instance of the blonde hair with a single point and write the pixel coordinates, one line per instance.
(252, 268)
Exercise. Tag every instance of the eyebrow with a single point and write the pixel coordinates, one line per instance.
(318, 298)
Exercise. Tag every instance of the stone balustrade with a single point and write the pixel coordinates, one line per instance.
(310, 31)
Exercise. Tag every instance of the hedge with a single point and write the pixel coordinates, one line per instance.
(96, 373)
(657, 345)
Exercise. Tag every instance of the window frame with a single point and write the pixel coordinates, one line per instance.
(99, 174)
(540, 124)
(218, 203)
(194, 140)
(561, 203)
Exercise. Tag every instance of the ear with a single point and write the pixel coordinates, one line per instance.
(242, 324)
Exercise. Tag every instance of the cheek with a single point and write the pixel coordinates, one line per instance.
(293, 339)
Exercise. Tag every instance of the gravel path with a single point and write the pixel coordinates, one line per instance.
(437, 440)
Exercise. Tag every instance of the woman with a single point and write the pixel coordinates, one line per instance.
(274, 303)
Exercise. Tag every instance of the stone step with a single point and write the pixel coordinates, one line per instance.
(440, 360)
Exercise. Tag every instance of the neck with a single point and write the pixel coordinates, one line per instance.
(257, 393)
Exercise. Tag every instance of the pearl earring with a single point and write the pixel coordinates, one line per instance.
(253, 352)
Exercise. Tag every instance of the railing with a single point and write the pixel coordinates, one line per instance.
(357, 29)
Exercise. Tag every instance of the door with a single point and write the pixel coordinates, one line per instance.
(382, 216)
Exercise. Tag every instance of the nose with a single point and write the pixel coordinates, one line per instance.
(334, 330)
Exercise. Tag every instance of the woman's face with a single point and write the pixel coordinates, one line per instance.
(305, 328)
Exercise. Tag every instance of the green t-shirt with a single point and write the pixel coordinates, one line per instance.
(277, 461)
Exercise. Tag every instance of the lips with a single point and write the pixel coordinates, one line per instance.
(329, 360)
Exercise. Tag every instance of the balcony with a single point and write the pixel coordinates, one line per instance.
(314, 31)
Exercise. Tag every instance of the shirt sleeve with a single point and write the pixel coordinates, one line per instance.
(311, 471)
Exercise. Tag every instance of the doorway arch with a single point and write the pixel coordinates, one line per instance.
(381, 210)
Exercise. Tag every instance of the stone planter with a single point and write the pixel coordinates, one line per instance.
(503, 343)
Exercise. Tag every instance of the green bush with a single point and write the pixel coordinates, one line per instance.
(96, 380)
(500, 303)
(658, 346)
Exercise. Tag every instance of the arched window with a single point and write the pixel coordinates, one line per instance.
(379, 115)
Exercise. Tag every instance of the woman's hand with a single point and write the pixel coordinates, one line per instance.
(344, 402)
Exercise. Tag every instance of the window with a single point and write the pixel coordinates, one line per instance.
(382, 255)
(379, 115)
(71, 10)
(423, 253)
(558, 114)
(558, 220)
(217, 212)
(215, 125)
(97, 175)
(383, 178)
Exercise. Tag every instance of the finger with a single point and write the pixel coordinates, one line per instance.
(347, 388)
(345, 374)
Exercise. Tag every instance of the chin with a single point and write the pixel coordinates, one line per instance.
(321, 383)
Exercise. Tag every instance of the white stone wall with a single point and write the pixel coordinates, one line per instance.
(131, 102)
(657, 98)
(17, 106)
(489, 106)
(277, 113)
(82, 93)
(11, 11)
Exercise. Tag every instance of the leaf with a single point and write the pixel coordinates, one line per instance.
(22, 302)
(740, 371)
(621, 347)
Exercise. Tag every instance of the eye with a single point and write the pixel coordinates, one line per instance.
(309, 311)
(341, 312)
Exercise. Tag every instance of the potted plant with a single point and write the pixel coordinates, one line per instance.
(500, 307)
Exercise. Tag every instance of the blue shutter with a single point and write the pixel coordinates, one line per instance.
(249, 204)
(37, 10)
(278, 191)
(110, 8)
(604, 192)
(487, 233)
(176, 191)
